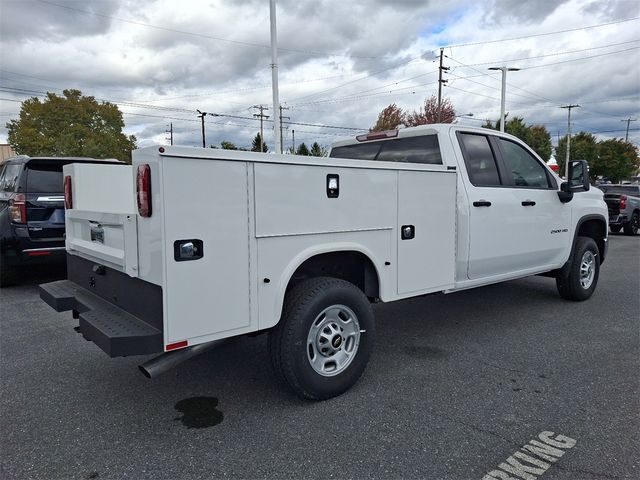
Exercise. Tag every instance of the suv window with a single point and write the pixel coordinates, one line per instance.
(523, 167)
(479, 160)
(44, 178)
(9, 178)
(420, 149)
(633, 190)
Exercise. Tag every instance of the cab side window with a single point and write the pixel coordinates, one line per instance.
(524, 168)
(479, 160)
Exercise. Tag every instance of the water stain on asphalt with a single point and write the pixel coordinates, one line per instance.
(425, 351)
(199, 412)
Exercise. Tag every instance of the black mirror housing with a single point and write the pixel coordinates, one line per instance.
(565, 194)
(579, 176)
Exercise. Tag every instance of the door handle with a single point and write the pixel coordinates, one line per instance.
(482, 203)
(528, 203)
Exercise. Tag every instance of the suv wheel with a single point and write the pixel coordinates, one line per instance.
(631, 228)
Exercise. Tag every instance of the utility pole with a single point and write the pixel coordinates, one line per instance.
(262, 117)
(293, 134)
(170, 132)
(440, 83)
(281, 117)
(201, 117)
(628, 120)
(274, 74)
(504, 71)
(566, 162)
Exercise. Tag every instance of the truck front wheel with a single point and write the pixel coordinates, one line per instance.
(581, 280)
(322, 344)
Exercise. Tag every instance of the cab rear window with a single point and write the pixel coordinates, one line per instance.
(44, 178)
(421, 149)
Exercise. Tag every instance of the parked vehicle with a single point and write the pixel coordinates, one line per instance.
(32, 213)
(198, 245)
(623, 202)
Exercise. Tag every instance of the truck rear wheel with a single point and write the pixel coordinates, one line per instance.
(631, 228)
(582, 278)
(322, 344)
(615, 228)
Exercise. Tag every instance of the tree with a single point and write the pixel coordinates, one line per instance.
(389, 118)
(317, 150)
(536, 136)
(255, 145)
(303, 150)
(617, 160)
(225, 145)
(428, 113)
(71, 125)
(583, 147)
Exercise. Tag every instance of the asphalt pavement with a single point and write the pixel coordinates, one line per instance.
(456, 387)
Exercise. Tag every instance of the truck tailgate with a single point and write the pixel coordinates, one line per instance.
(107, 238)
(101, 226)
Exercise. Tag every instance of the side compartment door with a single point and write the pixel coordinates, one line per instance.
(427, 210)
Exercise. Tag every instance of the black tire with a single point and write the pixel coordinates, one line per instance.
(615, 228)
(576, 285)
(631, 228)
(290, 348)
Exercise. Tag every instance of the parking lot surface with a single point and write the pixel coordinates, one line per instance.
(457, 385)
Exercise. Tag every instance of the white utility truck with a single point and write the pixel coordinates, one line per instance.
(189, 246)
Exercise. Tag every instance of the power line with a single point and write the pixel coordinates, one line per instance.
(201, 35)
(542, 34)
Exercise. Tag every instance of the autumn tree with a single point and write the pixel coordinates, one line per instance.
(583, 147)
(71, 125)
(389, 119)
(317, 150)
(428, 113)
(255, 145)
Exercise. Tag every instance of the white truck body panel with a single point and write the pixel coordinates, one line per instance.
(260, 217)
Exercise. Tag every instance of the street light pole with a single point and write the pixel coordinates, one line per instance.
(566, 162)
(274, 75)
(504, 71)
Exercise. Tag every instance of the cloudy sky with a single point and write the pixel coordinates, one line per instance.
(340, 62)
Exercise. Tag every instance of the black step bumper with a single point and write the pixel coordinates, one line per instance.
(114, 330)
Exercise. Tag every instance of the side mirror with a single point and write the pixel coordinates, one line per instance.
(578, 180)
(579, 175)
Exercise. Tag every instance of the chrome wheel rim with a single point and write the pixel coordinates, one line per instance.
(587, 269)
(333, 340)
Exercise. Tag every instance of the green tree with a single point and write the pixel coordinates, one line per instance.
(428, 112)
(71, 125)
(255, 145)
(536, 136)
(617, 160)
(317, 150)
(303, 150)
(225, 145)
(583, 147)
(389, 118)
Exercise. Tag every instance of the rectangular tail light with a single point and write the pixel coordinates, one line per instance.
(143, 190)
(18, 208)
(68, 194)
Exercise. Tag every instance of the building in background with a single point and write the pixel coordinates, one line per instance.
(6, 152)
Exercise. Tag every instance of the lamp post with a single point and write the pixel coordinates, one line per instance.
(504, 71)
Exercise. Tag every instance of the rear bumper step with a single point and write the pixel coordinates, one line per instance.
(115, 331)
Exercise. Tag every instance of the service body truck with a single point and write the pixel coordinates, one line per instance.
(189, 246)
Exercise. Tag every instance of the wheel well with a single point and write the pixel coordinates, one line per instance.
(352, 266)
(597, 230)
